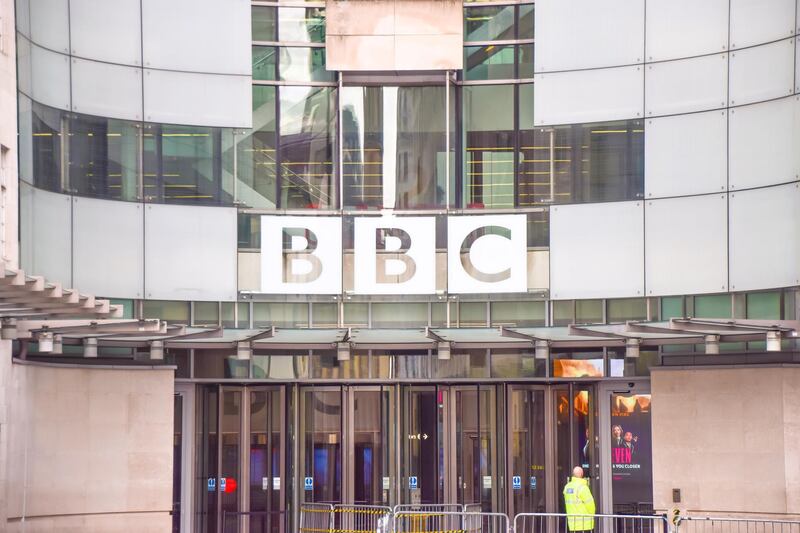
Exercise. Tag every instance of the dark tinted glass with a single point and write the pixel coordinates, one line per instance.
(46, 130)
(491, 23)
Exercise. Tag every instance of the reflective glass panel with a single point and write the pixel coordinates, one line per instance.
(306, 147)
(627, 309)
(520, 314)
(525, 61)
(303, 64)
(399, 315)
(525, 22)
(490, 23)
(321, 445)
(764, 305)
(362, 150)
(104, 157)
(256, 152)
(489, 146)
(302, 24)
(46, 128)
(526, 420)
(265, 61)
(490, 62)
(578, 364)
(712, 306)
(419, 122)
(263, 23)
(285, 315)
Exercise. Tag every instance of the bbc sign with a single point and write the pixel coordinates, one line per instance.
(393, 255)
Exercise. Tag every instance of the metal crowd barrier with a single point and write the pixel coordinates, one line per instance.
(257, 521)
(435, 521)
(696, 524)
(354, 518)
(316, 518)
(599, 523)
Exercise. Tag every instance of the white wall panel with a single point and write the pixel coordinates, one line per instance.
(588, 95)
(201, 99)
(106, 31)
(568, 33)
(50, 78)
(49, 21)
(597, 250)
(46, 234)
(686, 85)
(686, 154)
(106, 90)
(686, 249)
(764, 254)
(108, 255)
(197, 35)
(684, 28)
(190, 252)
(759, 21)
(762, 72)
(764, 141)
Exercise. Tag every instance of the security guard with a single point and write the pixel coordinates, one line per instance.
(579, 502)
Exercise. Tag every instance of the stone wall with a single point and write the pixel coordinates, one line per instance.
(727, 438)
(92, 448)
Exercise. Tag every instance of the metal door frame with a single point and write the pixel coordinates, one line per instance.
(300, 439)
(604, 391)
(187, 392)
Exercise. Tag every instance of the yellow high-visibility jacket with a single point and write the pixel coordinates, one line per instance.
(580, 505)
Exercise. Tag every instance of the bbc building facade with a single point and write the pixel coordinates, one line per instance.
(425, 251)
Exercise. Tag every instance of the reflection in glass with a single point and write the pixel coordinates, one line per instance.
(525, 61)
(266, 461)
(599, 162)
(423, 415)
(187, 164)
(362, 149)
(371, 419)
(104, 157)
(263, 23)
(303, 64)
(306, 147)
(321, 444)
(515, 364)
(526, 420)
(489, 146)
(475, 450)
(421, 144)
(490, 62)
(302, 24)
(491, 23)
(288, 364)
(46, 128)
(578, 365)
(256, 153)
(230, 427)
(265, 61)
(525, 23)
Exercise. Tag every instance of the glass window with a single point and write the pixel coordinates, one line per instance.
(290, 364)
(538, 230)
(563, 312)
(525, 61)
(127, 307)
(490, 62)
(325, 315)
(620, 366)
(600, 162)
(764, 305)
(356, 315)
(439, 314)
(302, 24)
(578, 364)
(472, 314)
(280, 314)
(244, 315)
(303, 64)
(362, 146)
(419, 131)
(525, 23)
(256, 152)
(520, 314)
(671, 307)
(490, 23)
(306, 147)
(265, 62)
(465, 364)
(170, 311)
(399, 315)
(712, 306)
(188, 164)
(104, 157)
(46, 128)
(227, 315)
(325, 365)
(263, 23)
(589, 311)
(489, 146)
(514, 364)
(206, 314)
(219, 364)
(627, 309)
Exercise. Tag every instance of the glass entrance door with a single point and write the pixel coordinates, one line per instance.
(423, 442)
(527, 449)
(576, 441)
(240, 485)
(476, 433)
(346, 441)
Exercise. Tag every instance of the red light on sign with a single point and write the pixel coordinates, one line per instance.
(230, 485)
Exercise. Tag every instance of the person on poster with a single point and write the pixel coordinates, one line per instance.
(579, 502)
(616, 436)
(629, 441)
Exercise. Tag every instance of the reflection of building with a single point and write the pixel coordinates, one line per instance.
(610, 218)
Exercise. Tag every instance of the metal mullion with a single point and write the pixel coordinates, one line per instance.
(278, 155)
(244, 456)
(515, 90)
(220, 393)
